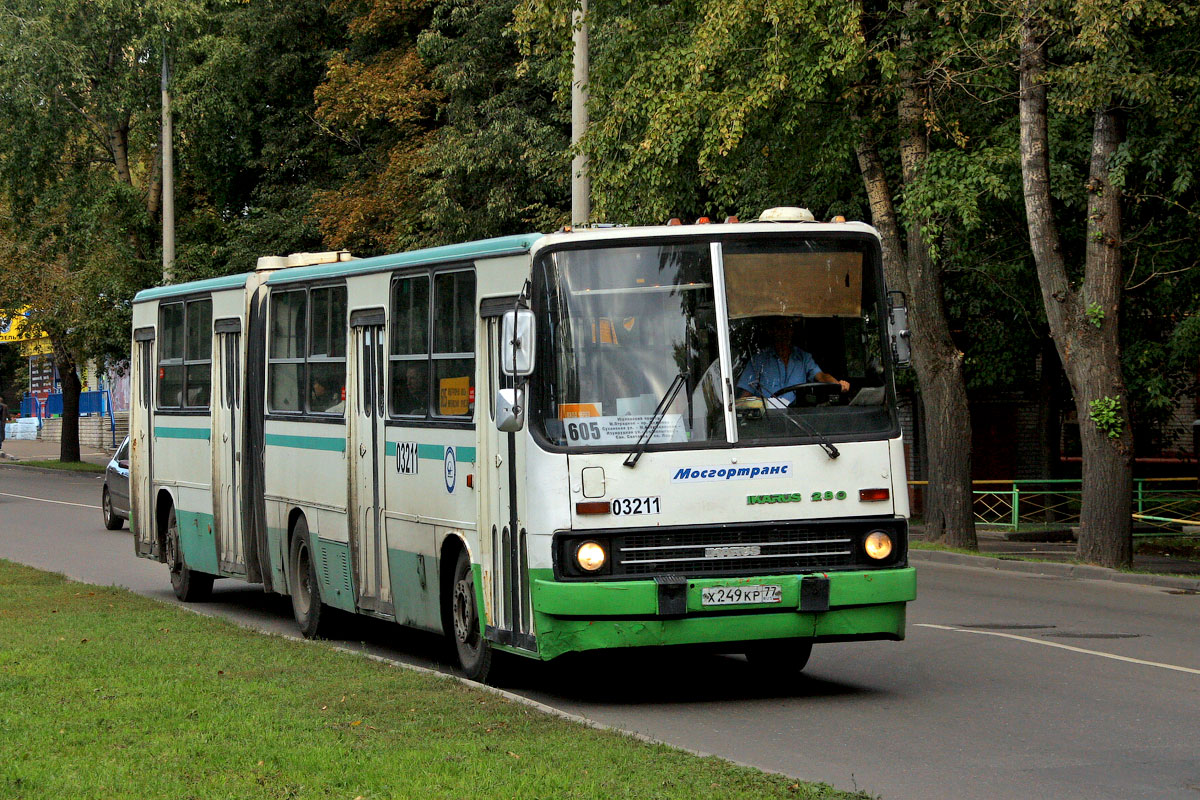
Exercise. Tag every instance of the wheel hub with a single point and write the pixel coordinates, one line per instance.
(464, 611)
(173, 548)
(303, 589)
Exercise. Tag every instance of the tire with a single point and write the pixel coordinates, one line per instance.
(190, 586)
(472, 648)
(111, 521)
(782, 657)
(312, 616)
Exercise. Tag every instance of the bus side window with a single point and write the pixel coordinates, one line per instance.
(285, 369)
(185, 354)
(197, 357)
(170, 355)
(454, 343)
(408, 351)
(327, 351)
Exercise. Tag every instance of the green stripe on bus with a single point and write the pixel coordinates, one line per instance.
(306, 442)
(436, 452)
(181, 433)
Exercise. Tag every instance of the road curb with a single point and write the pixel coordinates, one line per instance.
(1077, 571)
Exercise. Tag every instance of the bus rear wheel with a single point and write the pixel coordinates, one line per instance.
(473, 650)
(190, 586)
(311, 614)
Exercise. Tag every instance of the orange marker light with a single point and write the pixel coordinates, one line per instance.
(703, 221)
(873, 495)
(674, 221)
(597, 507)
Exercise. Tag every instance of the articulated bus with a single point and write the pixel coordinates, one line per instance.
(541, 444)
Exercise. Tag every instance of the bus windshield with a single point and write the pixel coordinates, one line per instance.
(627, 331)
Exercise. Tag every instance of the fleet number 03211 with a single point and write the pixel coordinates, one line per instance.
(623, 506)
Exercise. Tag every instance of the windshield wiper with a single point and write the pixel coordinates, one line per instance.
(822, 440)
(660, 411)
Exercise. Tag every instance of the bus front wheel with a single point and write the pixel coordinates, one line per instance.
(474, 651)
(190, 586)
(311, 614)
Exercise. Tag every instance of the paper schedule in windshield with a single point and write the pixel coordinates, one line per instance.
(593, 429)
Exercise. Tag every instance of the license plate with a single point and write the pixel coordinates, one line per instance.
(739, 595)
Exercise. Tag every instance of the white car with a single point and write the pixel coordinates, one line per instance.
(115, 500)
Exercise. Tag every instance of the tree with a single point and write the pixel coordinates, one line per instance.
(1107, 71)
(498, 162)
(910, 260)
(376, 97)
(250, 152)
(702, 106)
(77, 163)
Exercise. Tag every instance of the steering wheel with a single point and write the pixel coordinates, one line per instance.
(818, 389)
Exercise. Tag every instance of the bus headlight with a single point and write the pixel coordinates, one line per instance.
(878, 545)
(590, 556)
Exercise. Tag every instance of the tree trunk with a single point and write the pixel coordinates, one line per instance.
(118, 142)
(1083, 320)
(949, 504)
(154, 187)
(948, 512)
(68, 449)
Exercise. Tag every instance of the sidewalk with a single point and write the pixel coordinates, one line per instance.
(999, 551)
(38, 450)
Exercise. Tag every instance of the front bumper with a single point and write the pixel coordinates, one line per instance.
(572, 617)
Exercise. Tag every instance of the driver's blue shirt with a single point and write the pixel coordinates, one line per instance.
(767, 374)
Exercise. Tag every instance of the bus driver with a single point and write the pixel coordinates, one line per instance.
(782, 364)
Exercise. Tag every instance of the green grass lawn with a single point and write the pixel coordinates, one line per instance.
(106, 694)
(70, 466)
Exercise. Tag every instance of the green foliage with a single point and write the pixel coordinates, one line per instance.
(251, 153)
(79, 164)
(1105, 413)
(499, 162)
(379, 126)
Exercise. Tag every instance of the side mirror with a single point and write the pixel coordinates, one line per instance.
(510, 410)
(898, 329)
(123, 464)
(517, 342)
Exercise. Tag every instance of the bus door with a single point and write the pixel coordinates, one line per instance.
(226, 453)
(366, 443)
(141, 443)
(504, 538)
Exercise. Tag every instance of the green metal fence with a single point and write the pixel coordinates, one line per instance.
(1163, 504)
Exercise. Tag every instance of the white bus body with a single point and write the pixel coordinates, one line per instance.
(392, 492)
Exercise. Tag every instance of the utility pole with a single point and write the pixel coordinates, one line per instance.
(581, 182)
(168, 175)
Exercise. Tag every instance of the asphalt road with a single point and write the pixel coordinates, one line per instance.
(1008, 685)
